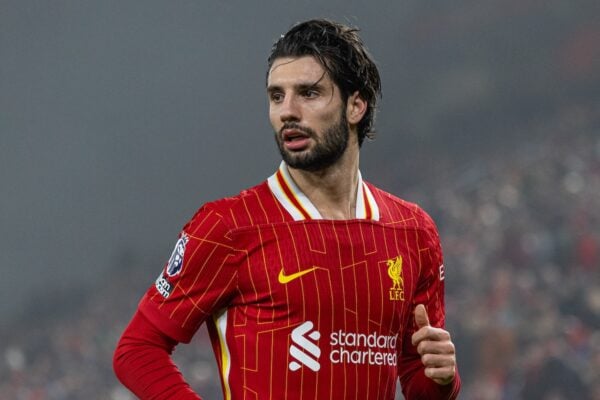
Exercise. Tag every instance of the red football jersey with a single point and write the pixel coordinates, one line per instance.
(299, 307)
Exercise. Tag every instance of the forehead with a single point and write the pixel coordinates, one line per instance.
(294, 70)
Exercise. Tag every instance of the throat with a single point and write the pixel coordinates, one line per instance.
(336, 202)
(333, 190)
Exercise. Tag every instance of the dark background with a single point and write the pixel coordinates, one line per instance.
(118, 119)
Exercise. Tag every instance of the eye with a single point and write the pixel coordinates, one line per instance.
(276, 97)
(310, 93)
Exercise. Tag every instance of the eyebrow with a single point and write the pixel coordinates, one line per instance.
(299, 87)
(302, 86)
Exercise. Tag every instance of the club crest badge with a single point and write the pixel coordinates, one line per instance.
(176, 260)
(395, 273)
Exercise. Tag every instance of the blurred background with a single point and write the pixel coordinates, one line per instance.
(118, 119)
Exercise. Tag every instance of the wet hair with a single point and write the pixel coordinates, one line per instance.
(342, 53)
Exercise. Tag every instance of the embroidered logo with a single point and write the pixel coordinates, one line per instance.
(395, 273)
(284, 279)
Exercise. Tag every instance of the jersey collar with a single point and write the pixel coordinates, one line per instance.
(300, 207)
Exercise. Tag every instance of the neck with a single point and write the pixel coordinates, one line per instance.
(332, 190)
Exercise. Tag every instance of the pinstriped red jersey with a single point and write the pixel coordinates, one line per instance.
(300, 307)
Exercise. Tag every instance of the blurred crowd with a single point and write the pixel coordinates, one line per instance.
(520, 228)
(65, 351)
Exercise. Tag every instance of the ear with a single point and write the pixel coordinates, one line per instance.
(356, 107)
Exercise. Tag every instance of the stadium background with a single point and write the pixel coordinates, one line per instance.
(118, 119)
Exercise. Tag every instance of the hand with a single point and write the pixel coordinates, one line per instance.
(435, 347)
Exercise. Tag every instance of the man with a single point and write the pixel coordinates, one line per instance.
(313, 284)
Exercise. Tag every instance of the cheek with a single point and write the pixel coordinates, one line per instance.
(331, 118)
(275, 121)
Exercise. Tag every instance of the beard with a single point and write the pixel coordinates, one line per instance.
(327, 150)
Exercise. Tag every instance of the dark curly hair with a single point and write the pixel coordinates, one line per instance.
(341, 52)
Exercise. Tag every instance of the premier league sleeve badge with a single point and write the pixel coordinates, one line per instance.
(176, 260)
(173, 268)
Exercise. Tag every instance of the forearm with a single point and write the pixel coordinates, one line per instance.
(142, 362)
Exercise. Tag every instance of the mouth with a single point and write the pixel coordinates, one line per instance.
(295, 139)
(289, 135)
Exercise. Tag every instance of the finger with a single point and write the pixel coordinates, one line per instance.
(435, 347)
(421, 317)
(438, 360)
(442, 375)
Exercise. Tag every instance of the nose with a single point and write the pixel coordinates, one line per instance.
(289, 110)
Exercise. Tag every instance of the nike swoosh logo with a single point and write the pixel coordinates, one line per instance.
(283, 278)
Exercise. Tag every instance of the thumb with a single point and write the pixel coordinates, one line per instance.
(421, 317)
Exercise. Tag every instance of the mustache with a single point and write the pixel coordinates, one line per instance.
(298, 127)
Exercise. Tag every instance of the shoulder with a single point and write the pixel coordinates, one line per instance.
(405, 215)
(251, 206)
(397, 211)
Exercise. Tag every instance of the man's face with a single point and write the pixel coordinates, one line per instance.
(307, 113)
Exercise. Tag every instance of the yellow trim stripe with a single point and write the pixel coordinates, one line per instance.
(221, 328)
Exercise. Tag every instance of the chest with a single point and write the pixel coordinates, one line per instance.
(351, 272)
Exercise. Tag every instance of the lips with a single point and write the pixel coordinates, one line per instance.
(295, 139)
(289, 135)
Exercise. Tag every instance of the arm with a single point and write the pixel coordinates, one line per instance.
(196, 280)
(427, 363)
(143, 364)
